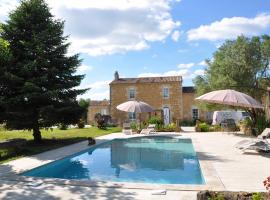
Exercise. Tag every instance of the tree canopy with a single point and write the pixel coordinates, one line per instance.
(37, 80)
(241, 64)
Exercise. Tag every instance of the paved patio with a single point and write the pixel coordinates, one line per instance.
(235, 171)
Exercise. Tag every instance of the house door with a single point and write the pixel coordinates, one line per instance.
(166, 115)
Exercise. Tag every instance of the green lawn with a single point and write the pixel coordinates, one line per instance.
(52, 139)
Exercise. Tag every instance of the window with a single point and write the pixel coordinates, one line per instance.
(131, 93)
(103, 111)
(165, 92)
(195, 113)
(132, 115)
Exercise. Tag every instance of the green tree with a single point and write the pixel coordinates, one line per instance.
(37, 84)
(241, 64)
(84, 103)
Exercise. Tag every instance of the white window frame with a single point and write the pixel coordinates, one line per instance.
(129, 93)
(103, 111)
(164, 94)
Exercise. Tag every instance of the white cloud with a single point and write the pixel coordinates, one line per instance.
(100, 27)
(175, 36)
(98, 90)
(185, 65)
(202, 63)
(229, 28)
(95, 95)
(84, 68)
(199, 72)
(182, 72)
(99, 85)
(5, 7)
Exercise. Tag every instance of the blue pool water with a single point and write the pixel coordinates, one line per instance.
(157, 159)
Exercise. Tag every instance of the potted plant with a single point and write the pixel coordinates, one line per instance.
(246, 126)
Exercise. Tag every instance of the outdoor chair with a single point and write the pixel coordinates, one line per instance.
(149, 129)
(228, 125)
(260, 143)
(126, 128)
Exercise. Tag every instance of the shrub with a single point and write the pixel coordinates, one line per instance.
(219, 197)
(204, 127)
(170, 127)
(63, 126)
(155, 120)
(100, 120)
(80, 124)
(257, 196)
(133, 125)
(261, 124)
(188, 123)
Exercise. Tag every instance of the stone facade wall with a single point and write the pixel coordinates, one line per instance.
(97, 108)
(188, 104)
(151, 93)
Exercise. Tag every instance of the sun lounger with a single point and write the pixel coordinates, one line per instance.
(126, 128)
(265, 134)
(149, 129)
(257, 145)
(260, 143)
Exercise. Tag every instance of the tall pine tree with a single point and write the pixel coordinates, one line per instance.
(37, 84)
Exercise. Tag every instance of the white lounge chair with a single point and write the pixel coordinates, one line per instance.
(257, 145)
(149, 129)
(260, 143)
(127, 129)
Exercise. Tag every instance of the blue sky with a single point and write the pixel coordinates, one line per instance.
(151, 37)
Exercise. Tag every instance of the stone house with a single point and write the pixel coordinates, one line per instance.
(102, 107)
(170, 100)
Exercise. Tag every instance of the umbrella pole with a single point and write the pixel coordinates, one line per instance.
(140, 120)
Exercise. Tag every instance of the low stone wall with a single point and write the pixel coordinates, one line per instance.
(227, 195)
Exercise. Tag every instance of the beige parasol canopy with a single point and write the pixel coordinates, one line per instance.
(230, 97)
(135, 106)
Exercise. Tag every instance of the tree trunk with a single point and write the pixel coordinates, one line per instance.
(36, 131)
(37, 134)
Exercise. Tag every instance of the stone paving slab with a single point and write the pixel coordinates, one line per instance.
(19, 191)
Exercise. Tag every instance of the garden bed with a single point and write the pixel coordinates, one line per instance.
(226, 195)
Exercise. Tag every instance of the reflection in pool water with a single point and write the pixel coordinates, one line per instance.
(142, 159)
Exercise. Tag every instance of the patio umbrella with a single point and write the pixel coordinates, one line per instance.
(135, 107)
(230, 97)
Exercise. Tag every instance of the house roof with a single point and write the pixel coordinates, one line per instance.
(100, 103)
(164, 79)
(188, 89)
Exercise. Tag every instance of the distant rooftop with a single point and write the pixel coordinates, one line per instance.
(188, 89)
(100, 103)
(164, 79)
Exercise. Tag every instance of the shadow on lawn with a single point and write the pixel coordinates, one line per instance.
(31, 148)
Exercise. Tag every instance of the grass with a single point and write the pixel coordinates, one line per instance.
(51, 140)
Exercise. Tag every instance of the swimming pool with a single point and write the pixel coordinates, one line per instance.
(150, 159)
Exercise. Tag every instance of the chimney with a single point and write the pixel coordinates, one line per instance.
(116, 76)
